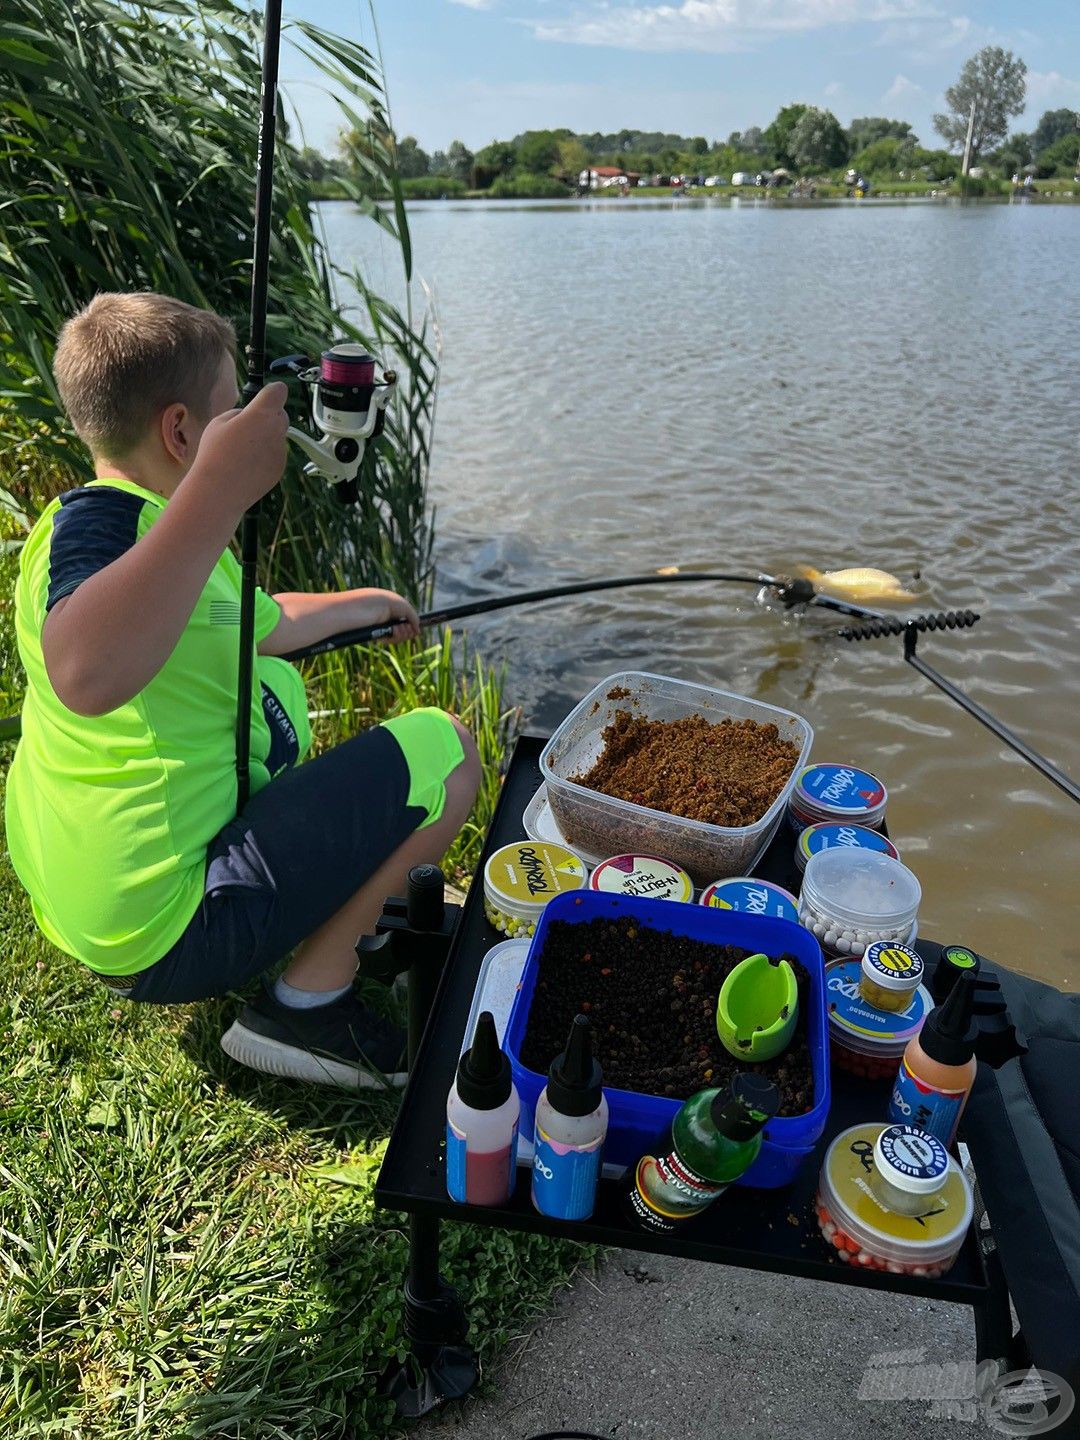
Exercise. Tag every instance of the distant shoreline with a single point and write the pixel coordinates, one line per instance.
(743, 197)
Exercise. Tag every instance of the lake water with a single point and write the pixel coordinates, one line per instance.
(740, 386)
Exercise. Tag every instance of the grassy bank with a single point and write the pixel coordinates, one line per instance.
(188, 1249)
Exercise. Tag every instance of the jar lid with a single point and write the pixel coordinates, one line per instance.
(830, 834)
(862, 1027)
(748, 895)
(646, 877)
(839, 790)
(892, 966)
(521, 878)
(911, 1159)
(862, 888)
(925, 1239)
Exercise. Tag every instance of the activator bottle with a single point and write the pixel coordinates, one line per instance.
(482, 1122)
(938, 1068)
(571, 1122)
(714, 1138)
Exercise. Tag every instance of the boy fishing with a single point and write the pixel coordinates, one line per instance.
(121, 802)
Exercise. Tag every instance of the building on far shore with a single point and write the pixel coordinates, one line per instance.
(603, 177)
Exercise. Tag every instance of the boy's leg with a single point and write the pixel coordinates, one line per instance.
(326, 960)
(309, 864)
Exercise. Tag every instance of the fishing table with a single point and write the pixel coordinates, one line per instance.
(774, 1230)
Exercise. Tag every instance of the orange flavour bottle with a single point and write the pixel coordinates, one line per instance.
(938, 1067)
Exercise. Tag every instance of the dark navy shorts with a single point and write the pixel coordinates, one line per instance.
(303, 845)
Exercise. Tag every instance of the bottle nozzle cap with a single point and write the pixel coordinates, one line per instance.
(575, 1080)
(745, 1106)
(483, 1075)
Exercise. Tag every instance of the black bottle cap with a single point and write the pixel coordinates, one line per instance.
(575, 1080)
(949, 1033)
(744, 1106)
(483, 1072)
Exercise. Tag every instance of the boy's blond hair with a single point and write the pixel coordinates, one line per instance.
(125, 357)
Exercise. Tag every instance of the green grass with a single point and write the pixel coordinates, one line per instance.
(188, 1249)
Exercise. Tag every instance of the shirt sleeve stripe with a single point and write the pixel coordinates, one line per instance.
(92, 528)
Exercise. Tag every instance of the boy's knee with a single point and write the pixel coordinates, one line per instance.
(468, 772)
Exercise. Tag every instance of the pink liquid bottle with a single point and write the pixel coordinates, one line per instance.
(482, 1123)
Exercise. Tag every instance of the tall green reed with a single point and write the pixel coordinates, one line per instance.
(128, 141)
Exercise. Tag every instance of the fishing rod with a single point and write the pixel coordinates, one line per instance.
(790, 592)
(348, 404)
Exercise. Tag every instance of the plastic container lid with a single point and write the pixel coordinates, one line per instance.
(520, 879)
(861, 1027)
(839, 792)
(862, 889)
(911, 1159)
(750, 896)
(892, 966)
(929, 1238)
(830, 835)
(496, 986)
(647, 877)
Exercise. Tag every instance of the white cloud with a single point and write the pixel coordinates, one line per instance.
(900, 87)
(716, 25)
(1051, 90)
(474, 4)
(833, 89)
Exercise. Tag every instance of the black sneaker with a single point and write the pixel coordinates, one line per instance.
(342, 1043)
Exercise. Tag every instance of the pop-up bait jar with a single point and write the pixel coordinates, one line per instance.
(864, 1230)
(864, 1040)
(852, 898)
(890, 976)
(520, 879)
(830, 835)
(837, 793)
(750, 896)
(645, 877)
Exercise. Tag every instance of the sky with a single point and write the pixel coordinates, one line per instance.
(477, 70)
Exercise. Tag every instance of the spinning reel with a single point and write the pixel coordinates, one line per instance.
(348, 408)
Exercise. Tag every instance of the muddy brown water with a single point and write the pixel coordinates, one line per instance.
(627, 386)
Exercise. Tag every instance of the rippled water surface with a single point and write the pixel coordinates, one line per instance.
(739, 386)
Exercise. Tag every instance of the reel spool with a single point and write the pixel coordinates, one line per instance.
(348, 408)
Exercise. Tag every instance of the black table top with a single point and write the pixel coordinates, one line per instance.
(758, 1229)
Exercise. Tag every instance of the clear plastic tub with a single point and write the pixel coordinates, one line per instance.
(852, 898)
(599, 824)
(865, 1233)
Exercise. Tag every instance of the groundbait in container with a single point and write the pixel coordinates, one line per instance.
(635, 1120)
(602, 825)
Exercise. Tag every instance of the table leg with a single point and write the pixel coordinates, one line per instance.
(441, 1365)
(993, 1318)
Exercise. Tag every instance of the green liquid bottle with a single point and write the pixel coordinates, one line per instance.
(715, 1138)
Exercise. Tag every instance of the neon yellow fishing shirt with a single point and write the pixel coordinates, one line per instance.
(109, 817)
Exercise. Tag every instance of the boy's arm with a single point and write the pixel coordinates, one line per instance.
(107, 640)
(306, 619)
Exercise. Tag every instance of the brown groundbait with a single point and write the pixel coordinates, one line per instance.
(724, 774)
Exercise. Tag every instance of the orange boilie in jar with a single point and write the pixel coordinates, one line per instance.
(855, 1220)
(864, 1040)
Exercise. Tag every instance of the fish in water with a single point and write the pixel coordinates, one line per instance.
(862, 586)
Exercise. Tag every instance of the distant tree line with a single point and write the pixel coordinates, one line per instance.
(804, 140)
